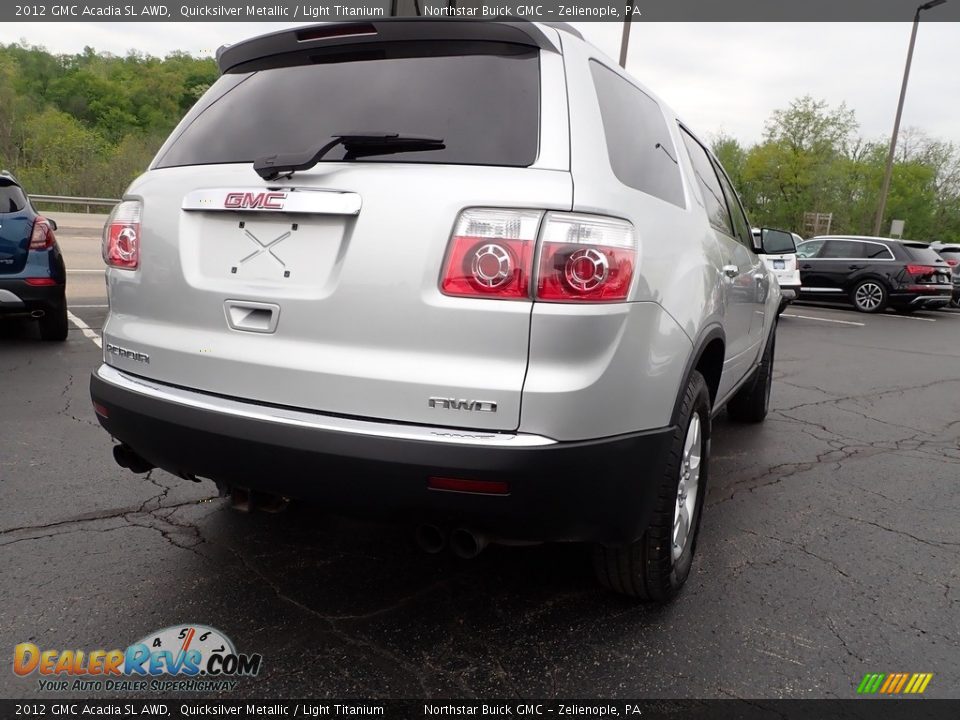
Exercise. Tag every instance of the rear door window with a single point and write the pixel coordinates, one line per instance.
(709, 185)
(641, 152)
(12, 198)
(482, 100)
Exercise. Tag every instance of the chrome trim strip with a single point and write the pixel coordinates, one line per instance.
(806, 288)
(316, 421)
(273, 199)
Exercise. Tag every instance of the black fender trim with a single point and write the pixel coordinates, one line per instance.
(711, 331)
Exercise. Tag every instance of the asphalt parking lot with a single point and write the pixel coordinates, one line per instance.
(830, 546)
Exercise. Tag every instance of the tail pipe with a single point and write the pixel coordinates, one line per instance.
(431, 538)
(467, 544)
(126, 457)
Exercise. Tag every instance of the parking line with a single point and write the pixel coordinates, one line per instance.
(829, 320)
(87, 331)
(905, 317)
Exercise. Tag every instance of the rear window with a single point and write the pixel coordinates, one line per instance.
(641, 152)
(12, 198)
(922, 253)
(485, 105)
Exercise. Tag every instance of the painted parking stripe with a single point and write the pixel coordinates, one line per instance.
(905, 317)
(87, 331)
(821, 319)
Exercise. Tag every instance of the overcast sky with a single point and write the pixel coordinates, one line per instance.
(718, 76)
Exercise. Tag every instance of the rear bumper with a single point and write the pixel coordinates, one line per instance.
(16, 296)
(598, 490)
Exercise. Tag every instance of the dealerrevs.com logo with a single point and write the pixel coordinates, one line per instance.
(180, 658)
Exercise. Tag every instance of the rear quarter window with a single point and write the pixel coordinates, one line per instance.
(12, 198)
(483, 101)
(641, 153)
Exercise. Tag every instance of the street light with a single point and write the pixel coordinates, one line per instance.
(885, 188)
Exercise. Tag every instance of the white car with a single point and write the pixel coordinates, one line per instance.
(782, 264)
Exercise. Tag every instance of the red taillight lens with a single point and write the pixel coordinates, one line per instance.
(121, 236)
(585, 258)
(490, 254)
(483, 487)
(953, 263)
(40, 282)
(42, 237)
(919, 270)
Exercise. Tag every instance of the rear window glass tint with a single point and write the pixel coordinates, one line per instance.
(484, 105)
(714, 202)
(641, 152)
(12, 198)
(922, 254)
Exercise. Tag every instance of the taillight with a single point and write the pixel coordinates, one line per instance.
(42, 237)
(490, 254)
(121, 236)
(585, 258)
(919, 270)
(953, 263)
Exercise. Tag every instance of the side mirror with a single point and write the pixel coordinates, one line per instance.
(52, 224)
(776, 242)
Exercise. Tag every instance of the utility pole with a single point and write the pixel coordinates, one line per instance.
(888, 171)
(625, 41)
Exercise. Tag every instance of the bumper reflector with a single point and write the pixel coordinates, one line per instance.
(482, 487)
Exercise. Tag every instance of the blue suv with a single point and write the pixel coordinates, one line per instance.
(33, 278)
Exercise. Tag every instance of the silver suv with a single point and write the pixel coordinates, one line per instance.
(469, 275)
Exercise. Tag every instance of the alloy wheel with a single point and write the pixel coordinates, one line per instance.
(688, 487)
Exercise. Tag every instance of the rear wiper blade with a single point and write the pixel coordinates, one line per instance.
(356, 144)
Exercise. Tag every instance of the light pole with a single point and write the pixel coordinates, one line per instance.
(888, 171)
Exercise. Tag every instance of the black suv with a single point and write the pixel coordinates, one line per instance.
(874, 273)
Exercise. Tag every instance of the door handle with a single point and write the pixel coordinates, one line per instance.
(731, 271)
(856, 267)
(807, 266)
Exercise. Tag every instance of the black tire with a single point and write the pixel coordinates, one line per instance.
(646, 568)
(752, 402)
(870, 296)
(53, 325)
(955, 303)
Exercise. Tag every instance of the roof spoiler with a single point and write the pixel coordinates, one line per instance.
(324, 35)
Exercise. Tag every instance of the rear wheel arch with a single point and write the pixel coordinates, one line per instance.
(707, 358)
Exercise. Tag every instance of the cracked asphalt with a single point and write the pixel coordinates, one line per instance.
(830, 546)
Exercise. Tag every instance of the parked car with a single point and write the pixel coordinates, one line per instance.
(874, 273)
(951, 253)
(782, 260)
(508, 313)
(33, 278)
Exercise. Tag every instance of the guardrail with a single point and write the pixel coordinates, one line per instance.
(66, 200)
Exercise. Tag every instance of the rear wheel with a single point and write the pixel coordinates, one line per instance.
(53, 325)
(752, 401)
(870, 296)
(656, 566)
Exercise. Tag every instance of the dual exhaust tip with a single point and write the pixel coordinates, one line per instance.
(463, 543)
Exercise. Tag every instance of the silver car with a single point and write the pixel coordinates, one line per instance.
(468, 275)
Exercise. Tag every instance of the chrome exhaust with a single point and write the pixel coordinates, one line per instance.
(466, 544)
